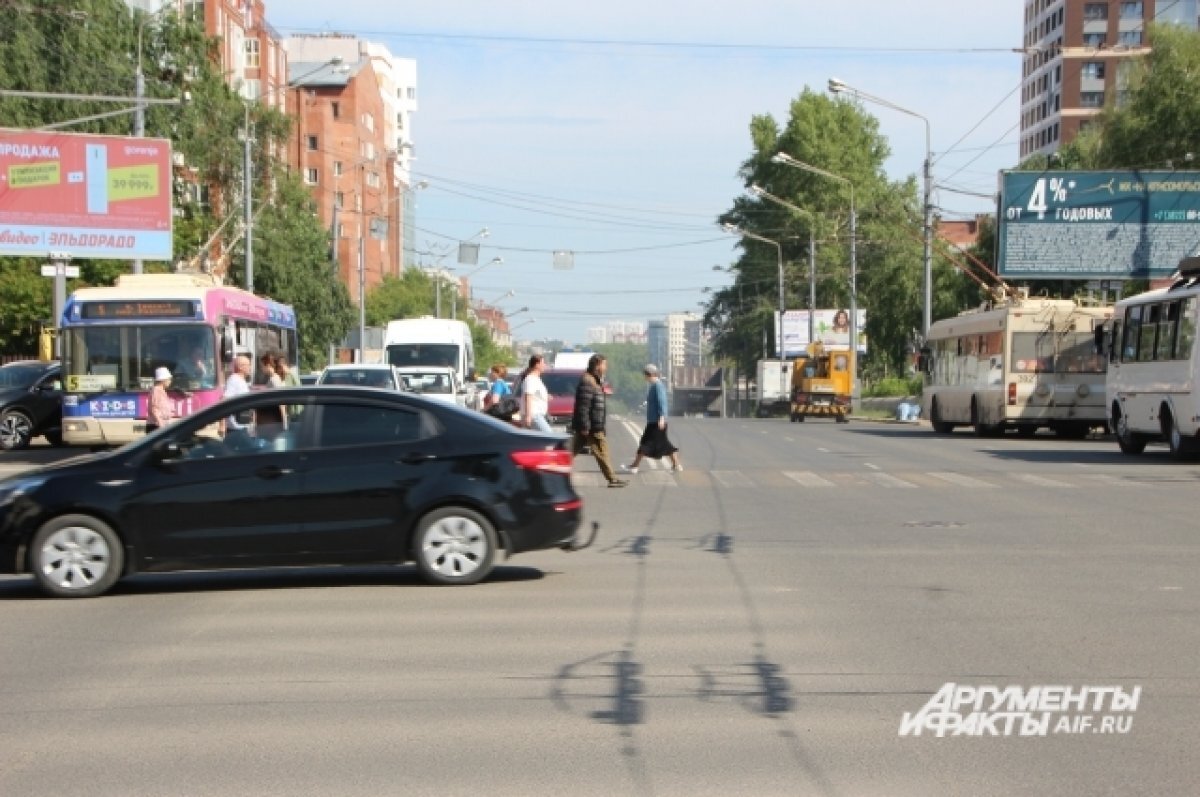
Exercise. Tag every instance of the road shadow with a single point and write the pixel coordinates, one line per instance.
(1076, 456)
(18, 588)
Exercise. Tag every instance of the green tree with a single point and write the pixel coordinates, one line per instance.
(25, 299)
(625, 364)
(408, 296)
(292, 265)
(838, 136)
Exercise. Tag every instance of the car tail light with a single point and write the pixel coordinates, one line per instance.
(1012, 394)
(547, 461)
(569, 506)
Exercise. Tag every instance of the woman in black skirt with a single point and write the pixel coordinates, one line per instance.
(654, 443)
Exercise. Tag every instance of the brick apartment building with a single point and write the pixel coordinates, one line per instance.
(342, 154)
(1077, 61)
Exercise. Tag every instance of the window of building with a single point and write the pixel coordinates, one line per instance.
(1091, 99)
(368, 121)
(373, 179)
(252, 89)
(193, 10)
(340, 232)
(1132, 10)
(336, 109)
(312, 176)
(412, 93)
(1095, 11)
(337, 168)
(1130, 38)
(1094, 69)
(253, 55)
(1094, 39)
(313, 144)
(339, 200)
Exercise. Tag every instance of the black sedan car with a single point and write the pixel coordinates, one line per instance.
(30, 403)
(359, 476)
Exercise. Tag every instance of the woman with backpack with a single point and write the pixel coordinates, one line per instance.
(499, 401)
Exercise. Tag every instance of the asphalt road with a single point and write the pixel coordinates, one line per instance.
(755, 625)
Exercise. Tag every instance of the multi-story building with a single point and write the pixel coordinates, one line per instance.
(597, 336)
(249, 51)
(1078, 54)
(497, 324)
(342, 157)
(397, 79)
(682, 338)
(659, 345)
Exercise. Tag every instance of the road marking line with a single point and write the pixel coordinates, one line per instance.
(823, 450)
(872, 467)
(961, 480)
(806, 478)
(1109, 479)
(731, 478)
(1040, 481)
(889, 481)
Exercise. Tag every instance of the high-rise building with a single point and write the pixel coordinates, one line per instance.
(597, 335)
(1078, 54)
(396, 85)
(679, 346)
(249, 51)
(342, 157)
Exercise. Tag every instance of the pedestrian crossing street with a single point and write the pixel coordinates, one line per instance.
(692, 478)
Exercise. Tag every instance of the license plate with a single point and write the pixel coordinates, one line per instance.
(139, 427)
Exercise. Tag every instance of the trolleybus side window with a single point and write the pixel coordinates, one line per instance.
(1186, 338)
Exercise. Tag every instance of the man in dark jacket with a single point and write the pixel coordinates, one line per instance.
(590, 417)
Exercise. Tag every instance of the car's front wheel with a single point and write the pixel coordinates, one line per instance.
(16, 430)
(454, 545)
(76, 556)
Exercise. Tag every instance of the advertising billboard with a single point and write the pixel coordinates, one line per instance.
(830, 327)
(1097, 225)
(85, 196)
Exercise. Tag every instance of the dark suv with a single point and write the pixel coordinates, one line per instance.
(30, 403)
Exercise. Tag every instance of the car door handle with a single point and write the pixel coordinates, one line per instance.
(416, 458)
(272, 472)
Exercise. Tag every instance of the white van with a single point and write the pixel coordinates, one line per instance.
(437, 343)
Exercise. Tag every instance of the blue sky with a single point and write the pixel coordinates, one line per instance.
(603, 147)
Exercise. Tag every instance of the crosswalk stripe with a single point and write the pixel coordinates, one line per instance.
(732, 478)
(960, 480)
(1040, 481)
(807, 478)
(889, 481)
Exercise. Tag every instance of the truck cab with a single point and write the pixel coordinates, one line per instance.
(821, 384)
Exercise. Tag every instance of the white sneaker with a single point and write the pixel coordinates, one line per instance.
(678, 469)
(628, 469)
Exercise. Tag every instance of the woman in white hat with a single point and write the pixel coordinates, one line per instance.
(160, 409)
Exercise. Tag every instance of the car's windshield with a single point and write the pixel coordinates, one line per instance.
(103, 358)
(428, 382)
(404, 355)
(561, 384)
(359, 377)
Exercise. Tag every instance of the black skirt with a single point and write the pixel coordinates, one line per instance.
(654, 443)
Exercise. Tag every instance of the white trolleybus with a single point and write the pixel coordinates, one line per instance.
(1023, 364)
(114, 338)
(1151, 391)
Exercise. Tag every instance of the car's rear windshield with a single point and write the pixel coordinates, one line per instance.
(19, 376)
(367, 377)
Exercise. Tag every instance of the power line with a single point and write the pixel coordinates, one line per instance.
(962, 168)
(577, 252)
(979, 124)
(469, 38)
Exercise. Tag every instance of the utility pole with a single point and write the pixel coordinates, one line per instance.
(812, 288)
(247, 201)
(928, 223)
(854, 389)
(139, 115)
(362, 263)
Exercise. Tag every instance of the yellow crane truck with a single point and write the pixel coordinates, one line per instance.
(821, 384)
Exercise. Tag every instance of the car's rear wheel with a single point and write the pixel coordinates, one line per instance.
(454, 545)
(76, 556)
(16, 430)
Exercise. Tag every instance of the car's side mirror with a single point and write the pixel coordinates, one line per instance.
(168, 452)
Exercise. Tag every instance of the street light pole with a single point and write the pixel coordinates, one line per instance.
(788, 160)
(247, 204)
(837, 87)
(782, 299)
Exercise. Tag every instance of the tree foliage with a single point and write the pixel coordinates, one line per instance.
(838, 136)
(96, 51)
(292, 265)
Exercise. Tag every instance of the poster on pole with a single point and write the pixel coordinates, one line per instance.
(830, 327)
(1114, 225)
(85, 196)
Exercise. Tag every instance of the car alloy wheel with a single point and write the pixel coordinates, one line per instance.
(16, 430)
(455, 546)
(76, 556)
